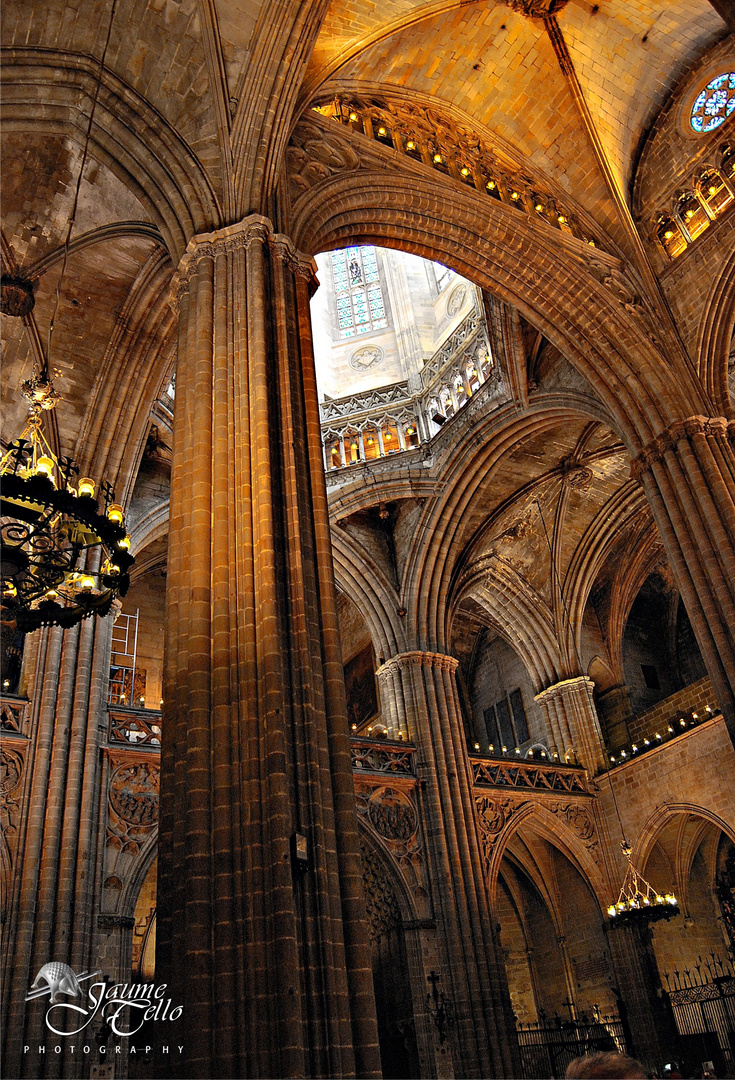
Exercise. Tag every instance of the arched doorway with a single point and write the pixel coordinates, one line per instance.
(560, 970)
(391, 975)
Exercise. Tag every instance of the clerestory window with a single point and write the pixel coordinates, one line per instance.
(358, 292)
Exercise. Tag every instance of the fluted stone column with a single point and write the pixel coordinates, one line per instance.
(270, 961)
(688, 475)
(53, 872)
(571, 717)
(427, 710)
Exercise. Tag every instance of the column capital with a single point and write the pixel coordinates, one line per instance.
(579, 682)
(210, 244)
(671, 436)
(284, 248)
(255, 228)
(417, 658)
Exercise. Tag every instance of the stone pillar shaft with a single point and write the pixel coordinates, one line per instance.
(688, 474)
(473, 975)
(270, 962)
(53, 876)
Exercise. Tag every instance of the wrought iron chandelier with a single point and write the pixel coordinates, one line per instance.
(49, 522)
(638, 903)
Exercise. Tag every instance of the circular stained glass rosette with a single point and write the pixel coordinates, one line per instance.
(714, 104)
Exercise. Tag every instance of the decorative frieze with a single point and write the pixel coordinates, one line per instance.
(437, 140)
(365, 402)
(135, 728)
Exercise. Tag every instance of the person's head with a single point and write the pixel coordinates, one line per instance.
(607, 1066)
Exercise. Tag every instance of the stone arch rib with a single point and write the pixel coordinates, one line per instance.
(41, 91)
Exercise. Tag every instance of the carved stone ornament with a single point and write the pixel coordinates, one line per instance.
(389, 814)
(16, 297)
(11, 767)
(310, 160)
(456, 300)
(492, 816)
(418, 659)
(576, 476)
(253, 229)
(577, 818)
(718, 427)
(368, 356)
(580, 821)
(134, 793)
(536, 9)
(392, 814)
(11, 771)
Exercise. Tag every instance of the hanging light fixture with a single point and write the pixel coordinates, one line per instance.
(47, 526)
(49, 521)
(638, 903)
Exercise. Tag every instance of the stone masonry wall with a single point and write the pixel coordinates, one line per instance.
(682, 704)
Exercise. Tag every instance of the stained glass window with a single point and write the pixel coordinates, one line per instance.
(715, 103)
(360, 305)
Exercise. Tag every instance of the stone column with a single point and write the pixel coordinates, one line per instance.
(688, 475)
(571, 717)
(269, 959)
(473, 977)
(643, 1006)
(53, 875)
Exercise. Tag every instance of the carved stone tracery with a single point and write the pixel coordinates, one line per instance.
(493, 816)
(383, 911)
(580, 821)
(132, 818)
(12, 763)
(390, 814)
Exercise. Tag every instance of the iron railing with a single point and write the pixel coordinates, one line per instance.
(547, 1047)
(703, 1000)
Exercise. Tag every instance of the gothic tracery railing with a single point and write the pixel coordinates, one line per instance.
(365, 427)
(526, 775)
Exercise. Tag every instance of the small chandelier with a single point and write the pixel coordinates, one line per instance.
(47, 525)
(639, 904)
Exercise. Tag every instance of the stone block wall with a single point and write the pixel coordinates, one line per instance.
(692, 699)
